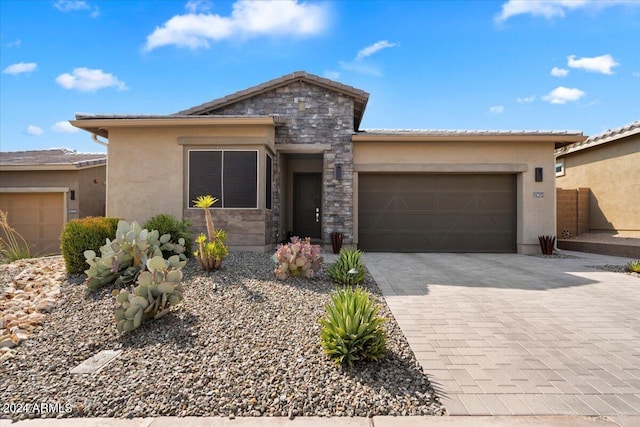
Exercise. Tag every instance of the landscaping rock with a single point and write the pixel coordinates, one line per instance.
(249, 348)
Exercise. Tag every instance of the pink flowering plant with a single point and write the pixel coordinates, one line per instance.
(299, 258)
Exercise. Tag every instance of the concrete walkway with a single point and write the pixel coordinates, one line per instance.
(519, 335)
(530, 421)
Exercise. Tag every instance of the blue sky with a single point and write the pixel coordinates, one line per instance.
(509, 64)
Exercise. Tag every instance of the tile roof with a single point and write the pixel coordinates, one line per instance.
(448, 132)
(360, 96)
(609, 135)
(55, 156)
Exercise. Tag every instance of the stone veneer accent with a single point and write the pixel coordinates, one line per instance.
(315, 115)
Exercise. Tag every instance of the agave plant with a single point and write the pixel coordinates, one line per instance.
(633, 266)
(351, 329)
(348, 269)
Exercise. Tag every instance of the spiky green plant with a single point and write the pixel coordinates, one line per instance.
(351, 329)
(210, 253)
(12, 246)
(348, 269)
(633, 266)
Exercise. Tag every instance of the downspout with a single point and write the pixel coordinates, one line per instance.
(95, 139)
(106, 192)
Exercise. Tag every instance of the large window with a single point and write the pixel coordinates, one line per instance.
(229, 175)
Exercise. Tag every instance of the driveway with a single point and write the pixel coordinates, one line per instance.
(508, 334)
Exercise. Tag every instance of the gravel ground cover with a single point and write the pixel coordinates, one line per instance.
(616, 269)
(249, 347)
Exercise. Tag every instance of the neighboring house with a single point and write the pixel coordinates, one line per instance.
(287, 156)
(41, 190)
(606, 169)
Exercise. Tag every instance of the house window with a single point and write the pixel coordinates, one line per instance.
(229, 175)
(559, 167)
(268, 181)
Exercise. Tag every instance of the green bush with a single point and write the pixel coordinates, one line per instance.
(83, 234)
(633, 266)
(169, 224)
(351, 328)
(348, 269)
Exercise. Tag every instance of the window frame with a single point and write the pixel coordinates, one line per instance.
(222, 151)
(268, 189)
(560, 163)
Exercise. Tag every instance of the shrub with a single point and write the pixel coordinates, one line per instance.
(210, 254)
(299, 258)
(351, 328)
(348, 269)
(13, 246)
(126, 256)
(633, 266)
(158, 288)
(177, 228)
(83, 234)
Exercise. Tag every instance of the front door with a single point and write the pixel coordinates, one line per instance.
(307, 198)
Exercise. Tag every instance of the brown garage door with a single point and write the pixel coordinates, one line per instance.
(437, 213)
(38, 217)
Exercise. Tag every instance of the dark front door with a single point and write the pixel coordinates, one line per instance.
(307, 198)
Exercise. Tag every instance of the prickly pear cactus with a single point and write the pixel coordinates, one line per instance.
(125, 257)
(157, 289)
(299, 258)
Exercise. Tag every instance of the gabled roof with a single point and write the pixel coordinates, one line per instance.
(603, 138)
(560, 137)
(360, 97)
(56, 158)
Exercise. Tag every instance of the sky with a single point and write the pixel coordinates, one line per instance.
(456, 65)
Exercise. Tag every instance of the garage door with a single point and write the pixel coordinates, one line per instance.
(38, 217)
(436, 213)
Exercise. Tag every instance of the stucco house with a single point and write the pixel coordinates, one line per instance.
(288, 156)
(605, 170)
(41, 190)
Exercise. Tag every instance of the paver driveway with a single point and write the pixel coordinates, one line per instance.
(502, 334)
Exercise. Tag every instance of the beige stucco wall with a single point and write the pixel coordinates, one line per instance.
(92, 188)
(536, 216)
(612, 172)
(147, 166)
(67, 179)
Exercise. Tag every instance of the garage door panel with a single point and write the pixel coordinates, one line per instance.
(456, 201)
(437, 213)
(417, 222)
(416, 202)
(377, 202)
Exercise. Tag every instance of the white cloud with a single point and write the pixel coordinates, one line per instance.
(549, 9)
(497, 109)
(89, 80)
(636, 74)
(249, 18)
(562, 95)
(34, 130)
(65, 127)
(15, 43)
(74, 5)
(20, 67)
(360, 66)
(598, 64)
(559, 72)
(526, 99)
(333, 75)
(70, 5)
(370, 50)
(195, 6)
